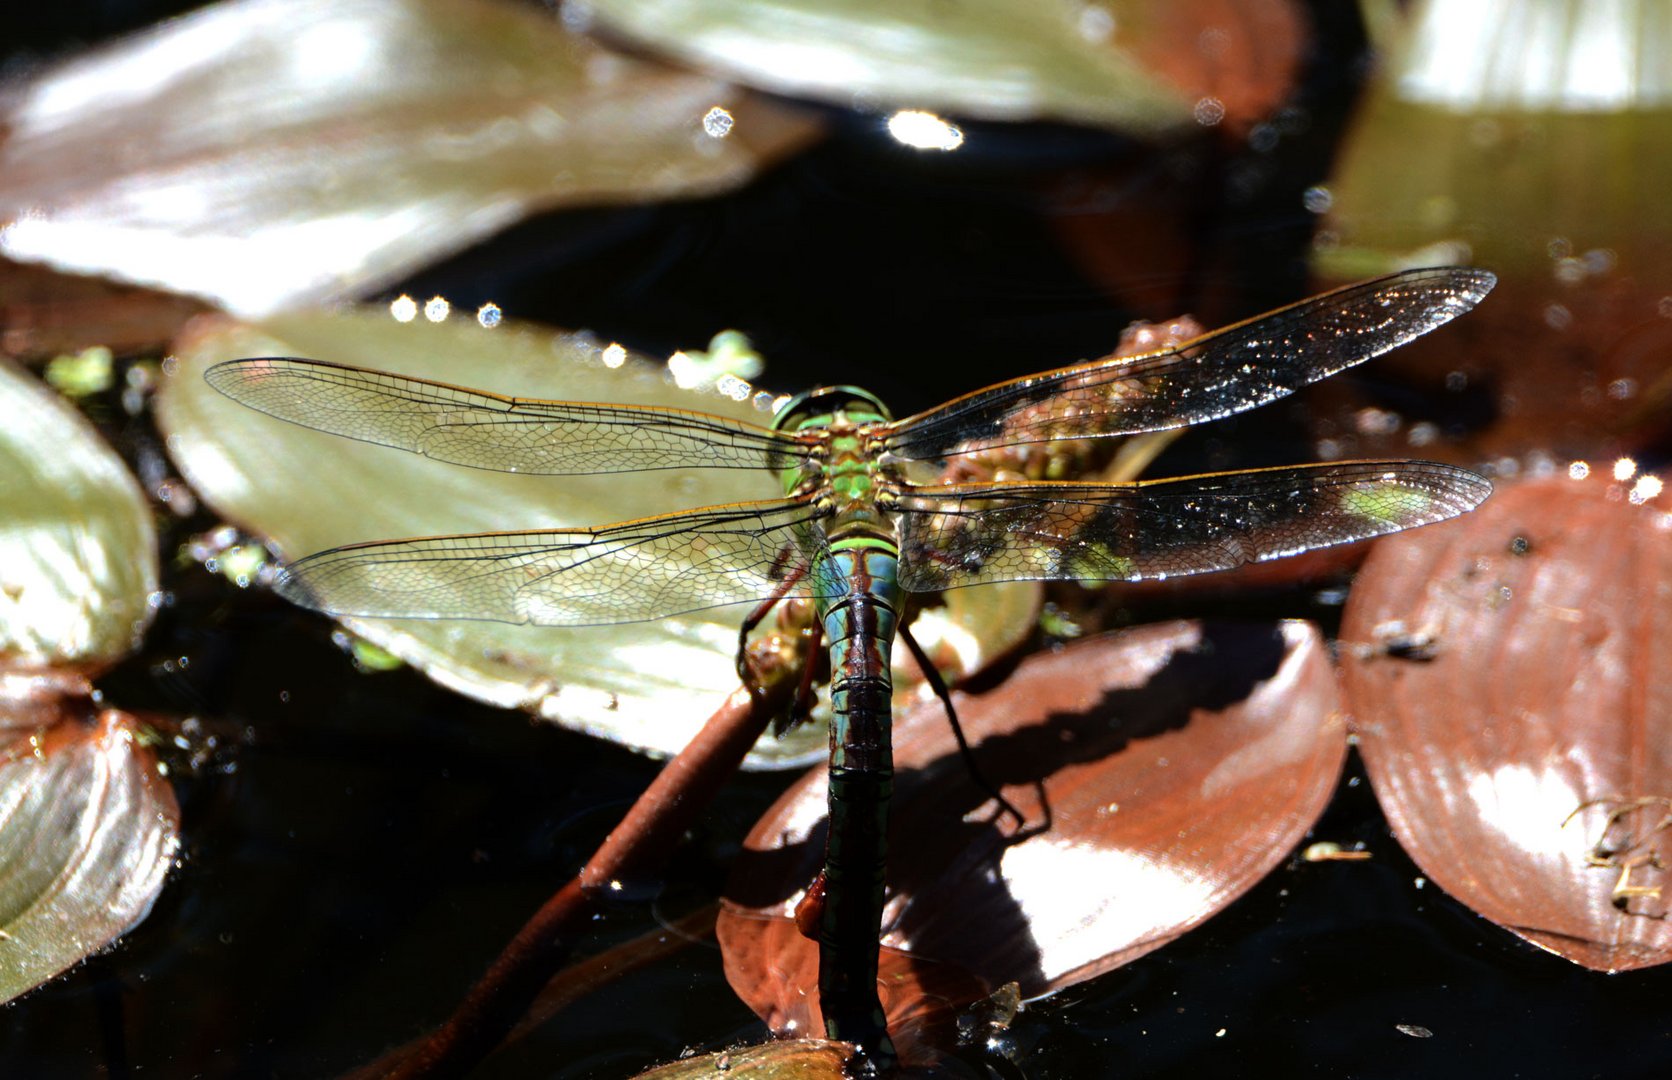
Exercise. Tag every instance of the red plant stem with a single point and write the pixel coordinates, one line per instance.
(652, 827)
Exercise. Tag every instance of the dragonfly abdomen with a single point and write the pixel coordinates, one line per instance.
(858, 605)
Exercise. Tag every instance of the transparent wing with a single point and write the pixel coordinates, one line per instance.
(488, 431)
(1225, 372)
(974, 533)
(650, 568)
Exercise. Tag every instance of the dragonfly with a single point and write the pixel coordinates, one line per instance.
(866, 517)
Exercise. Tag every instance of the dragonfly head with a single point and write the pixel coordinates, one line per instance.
(818, 408)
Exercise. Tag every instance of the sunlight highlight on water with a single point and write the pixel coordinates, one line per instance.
(717, 122)
(404, 308)
(924, 130)
(1646, 488)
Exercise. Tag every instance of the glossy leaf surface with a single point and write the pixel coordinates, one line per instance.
(1005, 59)
(43, 312)
(268, 153)
(90, 831)
(1507, 677)
(1163, 771)
(78, 561)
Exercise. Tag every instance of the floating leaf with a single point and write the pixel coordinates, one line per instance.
(1163, 771)
(1507, 676)
(44, 313)
(1003, 59)
(88, 828)
(78, 565)
(266, 153)
(91, 829)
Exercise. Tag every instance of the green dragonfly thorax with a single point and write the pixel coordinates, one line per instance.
(847, 469)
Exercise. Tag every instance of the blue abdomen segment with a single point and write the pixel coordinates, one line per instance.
(858, 603)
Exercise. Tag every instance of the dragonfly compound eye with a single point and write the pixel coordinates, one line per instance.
(817, 408)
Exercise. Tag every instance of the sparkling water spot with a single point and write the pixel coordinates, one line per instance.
(717, 122)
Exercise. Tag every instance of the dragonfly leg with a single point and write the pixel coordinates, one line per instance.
(803, 703)
(938, 685)
(746, 671)
(807, 650)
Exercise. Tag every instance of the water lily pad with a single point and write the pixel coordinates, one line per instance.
(91, 830)
(1163, 771)
(44, 313)
(266, 153)
(1506, 675)
(78, 565)
(1004, 59)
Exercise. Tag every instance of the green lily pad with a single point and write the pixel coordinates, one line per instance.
(88, 828)
(78, 567)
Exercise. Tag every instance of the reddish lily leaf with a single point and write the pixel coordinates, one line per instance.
(1237, 59)
(43, 312)
(1506, 673)
(1163, 771)
(268, 154)
(90, 831)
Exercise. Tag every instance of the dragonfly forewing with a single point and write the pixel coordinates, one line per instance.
(971, 534)
(1216, 375)
(488, 431)
(634, 571)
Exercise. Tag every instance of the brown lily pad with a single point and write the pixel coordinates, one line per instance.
(43, 312)
(1506, 676)
(1162, 771)
(1236, 59)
